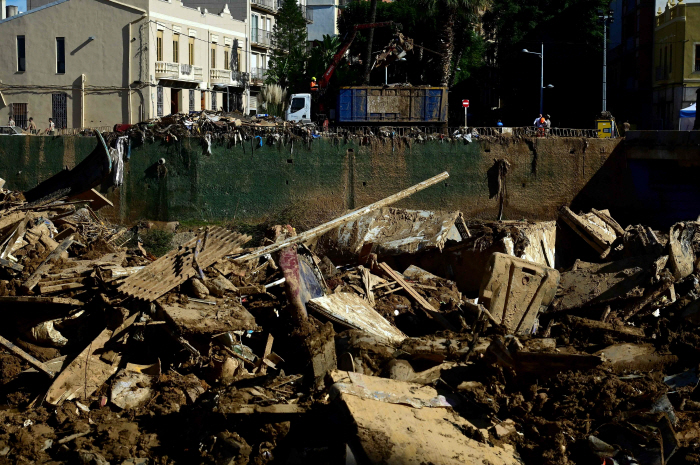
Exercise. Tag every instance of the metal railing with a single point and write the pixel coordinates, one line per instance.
(260, 37)
(258, 74)
(81, 131)
(439, 132)
(271, 5)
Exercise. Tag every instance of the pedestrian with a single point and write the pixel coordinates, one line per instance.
(11, 122)
(626, 126)
(31, 126)
(499, 124)
(537, 121)
(548, 123)
(51, 127)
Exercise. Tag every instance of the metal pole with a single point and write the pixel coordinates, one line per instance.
(541, 78)
(465, 117)
(386, 75)
(605, 60)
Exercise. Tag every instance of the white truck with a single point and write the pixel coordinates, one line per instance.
(299, 108)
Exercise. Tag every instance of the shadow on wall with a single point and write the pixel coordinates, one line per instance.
(653, 192)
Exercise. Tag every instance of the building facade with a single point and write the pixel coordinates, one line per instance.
(325, 15)
(676, 58)
(127, 62)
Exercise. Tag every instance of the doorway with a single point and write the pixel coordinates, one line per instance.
(174, 100)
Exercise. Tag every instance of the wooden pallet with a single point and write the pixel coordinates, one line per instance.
(177, 266)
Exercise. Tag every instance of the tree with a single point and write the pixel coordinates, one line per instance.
(288, 57)
(450, 11)
(368, 56)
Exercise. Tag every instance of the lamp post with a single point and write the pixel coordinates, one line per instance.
(542, 86)
(605, 18)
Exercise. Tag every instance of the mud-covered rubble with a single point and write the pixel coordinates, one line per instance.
(383, 336)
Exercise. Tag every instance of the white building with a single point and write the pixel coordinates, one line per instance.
(95, 63)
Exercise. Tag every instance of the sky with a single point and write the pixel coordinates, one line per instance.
(22, 4)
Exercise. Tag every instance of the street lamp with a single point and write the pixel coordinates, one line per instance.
(542, 86)
(605, 18)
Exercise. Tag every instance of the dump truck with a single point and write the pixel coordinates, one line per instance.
(362, 105)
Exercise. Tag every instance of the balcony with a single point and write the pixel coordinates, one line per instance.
(268, 5)
(226, 77)
(257, 75)
(261, 37)
(179, 72)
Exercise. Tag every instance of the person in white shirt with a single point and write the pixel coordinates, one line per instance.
(11, 123)
(51, 127)
(537, 121)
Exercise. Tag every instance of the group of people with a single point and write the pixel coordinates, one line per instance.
(542, 124)
(31, 125)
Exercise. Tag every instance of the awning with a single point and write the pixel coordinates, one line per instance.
(688, 112)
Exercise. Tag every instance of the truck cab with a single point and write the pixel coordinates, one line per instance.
(299, 108)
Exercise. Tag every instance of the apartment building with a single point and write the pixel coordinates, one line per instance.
(92, 63)
(261, 16)
(676, 78)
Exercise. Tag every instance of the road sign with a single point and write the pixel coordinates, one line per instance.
(465, 103)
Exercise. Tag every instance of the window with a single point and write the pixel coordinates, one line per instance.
(159, 46)
(59, 110)
(213, 56)
(19, 114)
(670, 59)
(297, 104)
(697, 57)
(203, 100)
(159, 103)
(191, 50)
(238, 62)
(269, 21)
(60, 55)
(254, 28)
(191, 99)
(665, 61)
(227, 57)
(176, 48)
(213, 101)
(21, 60)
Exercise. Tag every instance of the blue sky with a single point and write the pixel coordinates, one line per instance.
(22, 4)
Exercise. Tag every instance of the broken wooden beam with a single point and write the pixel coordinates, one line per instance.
(26, 357)
(621, 331)
(610, 222)
(11, 265)
(325, 227)
(34, 279)
(41, 300)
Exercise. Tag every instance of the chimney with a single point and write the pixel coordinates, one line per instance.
(2, 9)
(11, 11)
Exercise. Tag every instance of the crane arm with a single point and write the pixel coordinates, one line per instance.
(326, 78)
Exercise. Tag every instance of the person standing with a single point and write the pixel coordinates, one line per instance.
(11, 122)
(51, 127)
(31, 126)
(548, 124)
(537, 121)
(626, 127)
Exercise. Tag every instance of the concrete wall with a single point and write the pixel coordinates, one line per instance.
(325, 21)
(311, 184)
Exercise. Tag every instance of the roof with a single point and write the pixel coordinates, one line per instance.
(48, 5)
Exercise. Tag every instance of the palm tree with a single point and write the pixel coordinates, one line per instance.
(449, 10)
(370, 39)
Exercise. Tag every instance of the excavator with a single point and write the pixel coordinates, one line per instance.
(300, 105)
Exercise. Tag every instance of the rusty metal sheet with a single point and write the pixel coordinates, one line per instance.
(354, 312)
(395, 231)
(177, 266)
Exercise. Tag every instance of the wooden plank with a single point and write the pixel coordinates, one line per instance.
(41, 300)
(44, 289)
(11, 265)
(353, 311)
(266, 353)
(33, 280)
(610, 221)
(325, 227)
(407, 287)
(26, 357)
(97, 200)
(583, 230)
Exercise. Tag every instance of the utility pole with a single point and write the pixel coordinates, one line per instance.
(606, 18)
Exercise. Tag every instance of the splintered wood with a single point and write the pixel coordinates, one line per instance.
(178, 266)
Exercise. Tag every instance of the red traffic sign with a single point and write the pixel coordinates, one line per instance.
(465, 103)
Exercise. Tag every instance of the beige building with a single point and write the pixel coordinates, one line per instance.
(96, 63)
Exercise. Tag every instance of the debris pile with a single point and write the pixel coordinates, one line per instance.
(383, 336)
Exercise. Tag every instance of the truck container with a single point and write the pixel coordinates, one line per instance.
(392, 105)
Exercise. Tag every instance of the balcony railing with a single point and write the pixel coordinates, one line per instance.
(261, 37)
(166, 69)
(219, 76)
(258, 74)
(271, 5)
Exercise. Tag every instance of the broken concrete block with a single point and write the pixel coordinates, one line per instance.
(131, 390)
(504, 429)
(197, 318)
(399, 423)
(219, 285)
(591, 228)
(515, 291)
